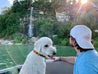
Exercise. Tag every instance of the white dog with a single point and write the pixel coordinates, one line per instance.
(35, 62)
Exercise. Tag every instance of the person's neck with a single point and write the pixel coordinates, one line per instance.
(78, 51)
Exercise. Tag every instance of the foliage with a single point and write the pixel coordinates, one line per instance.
(64, 29)
(45, 6)
(95, 42)
(47, 25)
(20, 38)
(47, 28)
(9, 20)
(93, 28)
(37, 27)
(9, 24)
(5, 10)
(65, 42)
(19, 6)
(60, 41)
(44, 27)
(56, 40)
(58, 31)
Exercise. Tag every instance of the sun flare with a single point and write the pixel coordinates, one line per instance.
(84, 1)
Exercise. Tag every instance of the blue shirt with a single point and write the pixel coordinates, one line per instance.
(87, 63)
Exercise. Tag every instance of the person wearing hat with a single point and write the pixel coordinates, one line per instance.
(86, 61)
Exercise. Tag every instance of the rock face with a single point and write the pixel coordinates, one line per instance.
(33, 39)
(62, 16)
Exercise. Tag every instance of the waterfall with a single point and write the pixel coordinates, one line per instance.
(30, 31)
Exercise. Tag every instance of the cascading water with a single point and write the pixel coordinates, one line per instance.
(30, 31)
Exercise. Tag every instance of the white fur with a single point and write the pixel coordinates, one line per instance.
(34, 63)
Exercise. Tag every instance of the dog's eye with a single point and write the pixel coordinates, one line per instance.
(46, 45)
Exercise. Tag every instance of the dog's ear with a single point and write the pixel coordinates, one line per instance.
(37, 46)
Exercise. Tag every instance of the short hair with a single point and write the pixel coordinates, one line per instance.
(81, 49)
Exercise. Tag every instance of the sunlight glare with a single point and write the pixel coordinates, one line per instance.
(83, 1)
(77, 0)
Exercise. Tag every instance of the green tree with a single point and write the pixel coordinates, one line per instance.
(2, 25)
(19, 6)
(45, 6)
(12, 23)
(64, 29)
(9, 24)
(47, 29)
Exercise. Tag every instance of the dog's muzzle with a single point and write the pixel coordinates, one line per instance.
(54, 53)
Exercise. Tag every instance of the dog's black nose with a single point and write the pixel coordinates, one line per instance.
(54, 53)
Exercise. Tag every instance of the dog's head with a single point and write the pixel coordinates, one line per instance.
(44, 46)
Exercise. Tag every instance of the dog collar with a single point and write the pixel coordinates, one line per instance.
(38, 53)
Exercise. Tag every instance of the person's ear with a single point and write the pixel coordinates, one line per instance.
(74, 43)
(92, 41)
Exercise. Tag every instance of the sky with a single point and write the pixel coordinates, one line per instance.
(7, 3)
